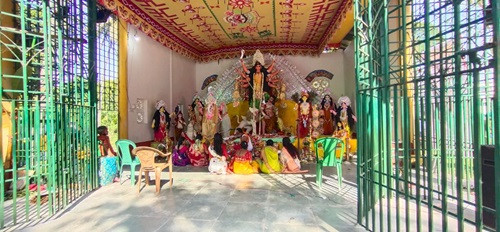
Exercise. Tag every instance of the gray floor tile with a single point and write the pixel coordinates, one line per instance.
(202, 210)
(289, 214)
(291, 228)
(288, 197)
(136, 223)
(249, 195)
(199, 201)
(246, 212)
(181, 224)
(229, 226)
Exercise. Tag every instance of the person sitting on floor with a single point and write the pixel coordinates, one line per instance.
(290, 157)
(179, 152)
(218, 156)
(270, 163)
(244, 137)
(197, 153)
(242, 162)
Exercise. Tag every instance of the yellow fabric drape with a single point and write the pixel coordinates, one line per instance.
(122, 80)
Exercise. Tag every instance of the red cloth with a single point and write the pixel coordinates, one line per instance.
(160, 134)
(246, 157)
(304, 125)
(187, 138)
(328, 122)
(224, 151)
(198, 158)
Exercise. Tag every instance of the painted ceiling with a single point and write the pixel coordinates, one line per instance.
(207, 30)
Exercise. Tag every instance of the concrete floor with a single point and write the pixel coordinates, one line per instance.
(199, 201)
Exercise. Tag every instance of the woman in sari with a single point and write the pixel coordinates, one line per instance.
(270, 163)
(179, 152)
(218, 156)
(290, 158)
(242, 162)
(197, 153)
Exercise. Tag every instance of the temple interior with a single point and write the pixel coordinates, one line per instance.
(249, 115)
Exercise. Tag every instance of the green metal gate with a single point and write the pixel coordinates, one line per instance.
(427, 100)
(48, 86)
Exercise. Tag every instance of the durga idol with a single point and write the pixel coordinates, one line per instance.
(258, 77)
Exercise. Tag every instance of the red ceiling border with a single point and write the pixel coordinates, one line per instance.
(135, 16)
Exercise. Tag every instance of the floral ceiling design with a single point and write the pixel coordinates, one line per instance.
(207, 30)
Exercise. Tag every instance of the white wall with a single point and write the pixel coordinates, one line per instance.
(343, 76)
(155, 73)
(350, 75)
(183, 80)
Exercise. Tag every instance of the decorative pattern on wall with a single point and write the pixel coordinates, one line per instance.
(207, 30)
(318, 73)
(209, 80)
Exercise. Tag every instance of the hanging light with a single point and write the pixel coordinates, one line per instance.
(136, 37)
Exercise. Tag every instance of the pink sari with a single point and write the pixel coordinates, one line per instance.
(290, 165)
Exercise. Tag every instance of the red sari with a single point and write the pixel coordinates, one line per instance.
(328, 122)
(197, 155)
(242, 163)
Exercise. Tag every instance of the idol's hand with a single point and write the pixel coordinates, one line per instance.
(242, 54)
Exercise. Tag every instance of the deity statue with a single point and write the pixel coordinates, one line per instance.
(269, 116)
(236, 94)
(245, 124)
(257, 78)
(345, 116)
(225, 121)
(179, 123)
(304, 115)
(254, 117)
(316, 129)
(190, 132)
(328, 114)
(198, 109)
(161, 122)
(282, 94)
(211, 117)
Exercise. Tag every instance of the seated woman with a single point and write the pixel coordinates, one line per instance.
(179, 152)
(218, 156)
(197, 153)
(244, 137)
(242, 162)
(270, 159)
(290, 157)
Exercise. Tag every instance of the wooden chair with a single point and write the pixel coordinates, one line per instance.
(147, 156)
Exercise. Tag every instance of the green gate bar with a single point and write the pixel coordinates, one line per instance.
(496, 102)
(48, 84)
(428, 70)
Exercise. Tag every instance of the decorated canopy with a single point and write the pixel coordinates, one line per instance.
(206, 30)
